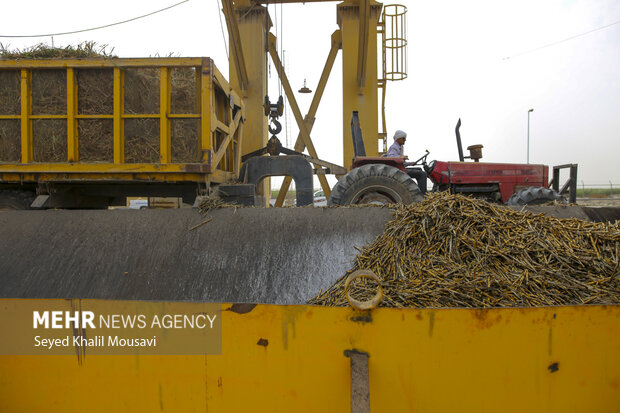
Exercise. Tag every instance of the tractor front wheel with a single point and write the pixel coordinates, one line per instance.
(375, 184)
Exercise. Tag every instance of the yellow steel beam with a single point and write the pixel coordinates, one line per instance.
(235, 44)
(225, 143)
(252, 24)
(229, 147)
(183, 116)
(102, 62)
(197, 106)
(72, 129)
(102, 167)
(88, 177)
(48, 116)
(237, 153)
(220, 176)
(142, 116)
(26, 111)
(221, 127)
(119, 108)
(383, 86)
(94, 116)
(364, 101)
(314, 105)
(220, 81)
(362, 49)
(158, 176)
(292, 358)
(205, 109)
(305, 134)
(165, 150)
(232, 129)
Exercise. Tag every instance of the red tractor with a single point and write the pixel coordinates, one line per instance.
(385, 180)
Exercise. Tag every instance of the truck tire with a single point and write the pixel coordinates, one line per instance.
(16, 199)
(535, 195)
(375, 184)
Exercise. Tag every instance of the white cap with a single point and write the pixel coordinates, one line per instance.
(400, 134)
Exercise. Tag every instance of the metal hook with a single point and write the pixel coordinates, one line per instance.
(278, 127)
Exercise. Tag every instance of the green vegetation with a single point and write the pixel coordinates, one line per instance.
(291, 194)
(597, 192)
(44, 51)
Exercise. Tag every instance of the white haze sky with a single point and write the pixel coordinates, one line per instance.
(474, 59)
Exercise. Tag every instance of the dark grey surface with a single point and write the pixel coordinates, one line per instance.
(261, 255)
(272, 255)
(595, 214)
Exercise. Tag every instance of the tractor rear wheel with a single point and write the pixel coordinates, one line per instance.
(375, 184)
(535, 196)
(16, 199)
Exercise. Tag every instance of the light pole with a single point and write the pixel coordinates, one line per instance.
(528, 134)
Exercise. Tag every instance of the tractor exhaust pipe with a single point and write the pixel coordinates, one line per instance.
(458, 141)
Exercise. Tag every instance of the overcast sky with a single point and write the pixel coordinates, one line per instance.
(480, 60)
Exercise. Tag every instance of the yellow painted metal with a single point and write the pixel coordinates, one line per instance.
(364, 100)
(250, 20)
(141, 116)
(236, 49)
(182, 116)
(93, 63)
(101, 167)
(394, 42)
(336, 44)
(214, 102)
(72, 127)
(225, 145)
(206, 105)
(303, 129)
(220, 176)
(237, 146)
(362, 49)
(291, 358)
(115, 177)
(119, 108)
(165, 151)
(26, 111)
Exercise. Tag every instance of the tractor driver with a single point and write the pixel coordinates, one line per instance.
(397, 151)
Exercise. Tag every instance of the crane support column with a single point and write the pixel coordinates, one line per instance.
(250, 22)
(359, 82)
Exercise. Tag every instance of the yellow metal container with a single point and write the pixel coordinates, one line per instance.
(214, 151)
(292, 358)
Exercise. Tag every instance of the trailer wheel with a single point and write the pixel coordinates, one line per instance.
(375, 184)
(535, 196)
(16, 199)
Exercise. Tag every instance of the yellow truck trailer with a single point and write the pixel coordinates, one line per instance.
(86, 133)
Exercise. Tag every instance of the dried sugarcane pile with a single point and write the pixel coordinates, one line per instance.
(210, 203)
(455, 251)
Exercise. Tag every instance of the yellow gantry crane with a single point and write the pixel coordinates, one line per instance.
(359, 24)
